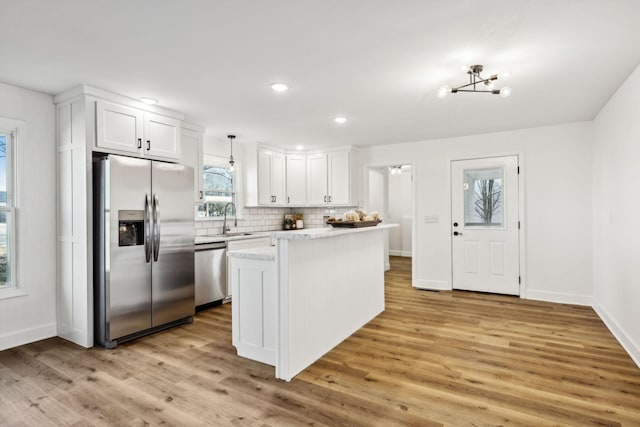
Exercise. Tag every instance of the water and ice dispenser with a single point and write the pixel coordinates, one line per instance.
(130, 227)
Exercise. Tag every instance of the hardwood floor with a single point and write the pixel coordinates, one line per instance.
(432, 358)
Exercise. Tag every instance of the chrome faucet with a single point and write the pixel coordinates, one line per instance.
(235, 219)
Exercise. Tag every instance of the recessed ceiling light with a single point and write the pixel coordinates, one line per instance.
(299, 147)
(340, 120)
(149, 101)
(279, 87)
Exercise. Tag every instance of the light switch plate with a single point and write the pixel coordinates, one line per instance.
(431, 218)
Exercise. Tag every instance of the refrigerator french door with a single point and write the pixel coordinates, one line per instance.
(143, 247)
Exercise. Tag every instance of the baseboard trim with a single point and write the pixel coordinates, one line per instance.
(433, 285)
(400, 253)
(27, 336)
(76, 336)
(632, 348)
(559, 297)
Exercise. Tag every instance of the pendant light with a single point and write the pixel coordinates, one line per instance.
(231, 162)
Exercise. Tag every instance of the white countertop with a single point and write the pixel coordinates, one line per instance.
(266, 253)
(199, 240)
(324, 232)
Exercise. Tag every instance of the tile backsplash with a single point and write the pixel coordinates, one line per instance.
(269, 219)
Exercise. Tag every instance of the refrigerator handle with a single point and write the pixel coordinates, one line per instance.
(156, 227)
(147, 228)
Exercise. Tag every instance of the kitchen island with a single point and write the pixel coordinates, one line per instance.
(296, 301)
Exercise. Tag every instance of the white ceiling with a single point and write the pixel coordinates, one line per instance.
(377, 62)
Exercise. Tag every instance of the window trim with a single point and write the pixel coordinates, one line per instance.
(223, 162)
(11, 129)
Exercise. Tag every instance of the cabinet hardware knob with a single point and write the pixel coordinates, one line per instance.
(325, 199)
(201, 194)
(139, 143)
(148, 145)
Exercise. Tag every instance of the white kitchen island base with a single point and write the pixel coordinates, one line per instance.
(330, 283)
(253, 313)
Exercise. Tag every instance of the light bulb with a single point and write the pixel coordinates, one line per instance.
(148, 101)
(444, 91)
(505, 91)
(340, 120)
(279, 87)
(489, 84)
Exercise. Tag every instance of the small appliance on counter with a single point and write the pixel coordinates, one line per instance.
(293, 222)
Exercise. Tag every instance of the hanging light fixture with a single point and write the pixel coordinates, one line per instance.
(231, 161)
(477, 83)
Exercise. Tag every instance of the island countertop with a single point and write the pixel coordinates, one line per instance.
(324, 232)
(267, 253)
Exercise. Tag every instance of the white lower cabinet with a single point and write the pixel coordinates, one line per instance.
(233, 245)
(254, 312)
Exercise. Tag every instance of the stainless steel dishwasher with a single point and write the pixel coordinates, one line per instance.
(211, 274)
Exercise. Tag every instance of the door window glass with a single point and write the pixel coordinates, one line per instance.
(483, 197)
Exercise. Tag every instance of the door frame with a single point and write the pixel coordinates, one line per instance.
(521, 212)
(365, 197)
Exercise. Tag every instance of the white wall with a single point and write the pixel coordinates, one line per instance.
(400, 212)
(556, 164)
(32, 316)
(616, 206)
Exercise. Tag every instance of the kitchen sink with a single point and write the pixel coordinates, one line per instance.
(236, 234)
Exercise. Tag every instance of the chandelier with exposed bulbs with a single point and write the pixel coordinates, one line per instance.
(477, 83)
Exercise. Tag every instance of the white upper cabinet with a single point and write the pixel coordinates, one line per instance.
(161, 136)
(339, 178)
(271, 178)
(191, 155)
(130, 130)
(317, 179)
(296, 180)
(328, 178)
(119, 127)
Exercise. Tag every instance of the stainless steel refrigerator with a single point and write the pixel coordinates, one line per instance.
(143, 247)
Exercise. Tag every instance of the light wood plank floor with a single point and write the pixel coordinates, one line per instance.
(432, 358)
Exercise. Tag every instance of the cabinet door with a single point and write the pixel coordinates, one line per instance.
(296, 180)
(278, 174)
(118, 127)
(191, 155)
(265, 196)
(317, 179)
(161, 136)
(339, 178)
(234, 245)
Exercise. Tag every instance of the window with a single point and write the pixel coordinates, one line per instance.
(7, 211)
(219, 185)
(483, 197)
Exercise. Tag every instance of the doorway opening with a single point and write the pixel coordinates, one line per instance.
(390, 192)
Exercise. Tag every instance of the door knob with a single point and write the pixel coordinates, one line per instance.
(456, 233)
(455, 224)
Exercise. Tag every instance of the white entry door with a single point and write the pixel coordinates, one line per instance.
(484, 225)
